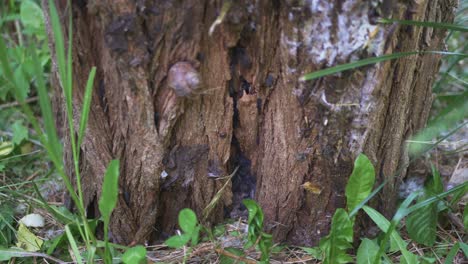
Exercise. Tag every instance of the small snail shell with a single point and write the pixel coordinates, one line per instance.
(183, 78)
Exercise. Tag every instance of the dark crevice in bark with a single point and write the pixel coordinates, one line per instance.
(243, 182)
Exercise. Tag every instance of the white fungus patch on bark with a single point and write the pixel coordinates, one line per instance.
(328, 36)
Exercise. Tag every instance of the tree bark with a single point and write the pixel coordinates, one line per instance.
(182, 108)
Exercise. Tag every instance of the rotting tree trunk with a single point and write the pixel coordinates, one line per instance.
(181, 108)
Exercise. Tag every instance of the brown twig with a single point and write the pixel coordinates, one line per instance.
(233, 256)
(16, 103)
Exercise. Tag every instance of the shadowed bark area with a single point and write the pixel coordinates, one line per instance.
(181, 109)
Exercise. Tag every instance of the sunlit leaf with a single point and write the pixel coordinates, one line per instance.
(6, 148)
(27, 240)
(178, 240)
(31, 15)
(360, 182)
(187, 220)
(135, 255)
(367, 251)
(335, 245)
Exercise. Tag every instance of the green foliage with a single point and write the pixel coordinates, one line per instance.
(255, 230)
(191, 229)
(360, 182)
(32, 18)
(20, 132)
(396, 242)
(368, 61)
(447, 26)
(465, 218)
(338, 241)
(367, 251)
(422, 223)
(6, 228)
(135, 255)
(108, 200)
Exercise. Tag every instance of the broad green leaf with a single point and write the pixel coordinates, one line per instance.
(27, 240)
(110, 190)
(31, 15)
(178, 240)
(448, 26)
(335, 245)
(187, 220)
(5, 148)
(135, 255)
(360, 182)
(20, 132)
(367, 251)
(422, 224)
(196, 235)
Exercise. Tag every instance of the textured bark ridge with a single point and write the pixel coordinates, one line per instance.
(181, 108)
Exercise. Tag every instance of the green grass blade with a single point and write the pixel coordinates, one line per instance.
(447, 26)
(400, 213)
(58, 43)
(46, 108)
(73, 245)
(368, 61)
(86, 106)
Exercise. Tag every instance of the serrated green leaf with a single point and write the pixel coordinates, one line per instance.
(20, 132)
(252, 207)
(135, 255)
(335, 245)
(360, 182)
(187, 220)
(367, 251)
(178, 241)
